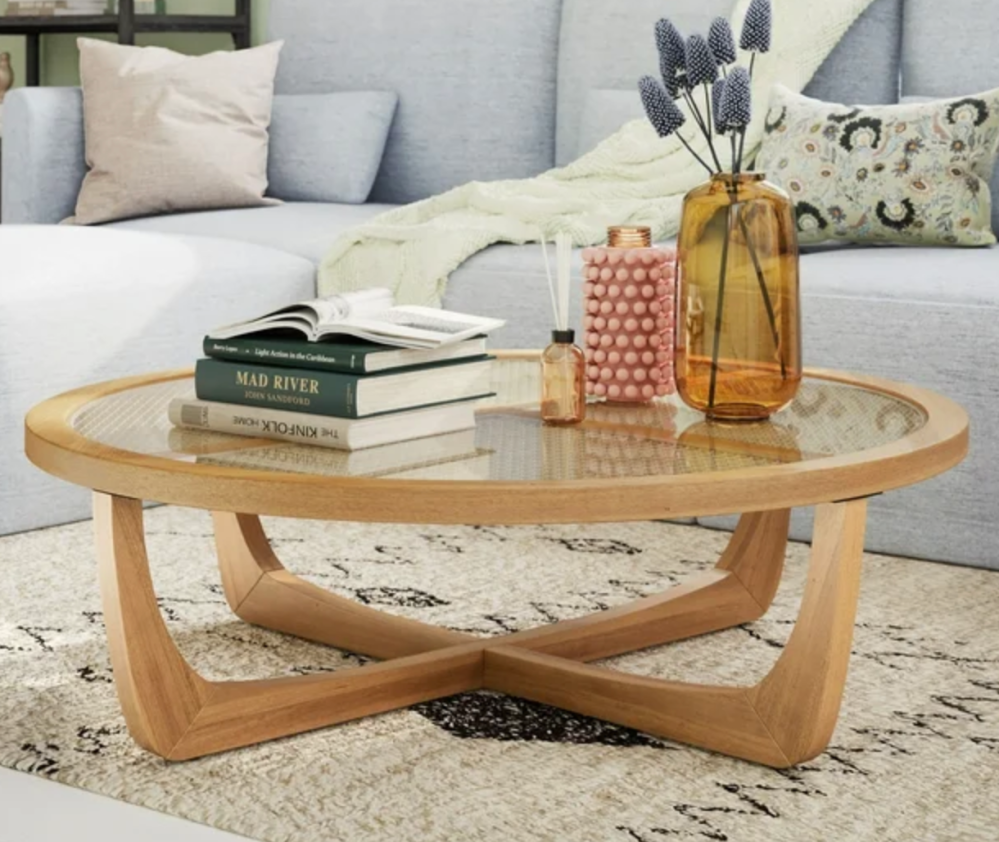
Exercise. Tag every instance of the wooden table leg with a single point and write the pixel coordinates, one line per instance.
(261, 591)
(786, 719)
(160, 694)
(175, 713)
(738, 590)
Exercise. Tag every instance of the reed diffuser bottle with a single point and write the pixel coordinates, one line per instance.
(563, 366)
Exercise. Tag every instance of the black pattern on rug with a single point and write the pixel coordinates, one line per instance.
(493, 716)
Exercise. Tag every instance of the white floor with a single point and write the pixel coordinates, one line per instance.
(36, 810)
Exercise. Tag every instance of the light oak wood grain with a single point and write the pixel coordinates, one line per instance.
(160, 694)
(739, 590)
(172, 711)
(799, 700)
(784, 720)
(53, 445)
(262, 592)
(721, 719)
(175, 713)
(248, 712)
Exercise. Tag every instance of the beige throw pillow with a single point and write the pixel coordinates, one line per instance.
(168, 132)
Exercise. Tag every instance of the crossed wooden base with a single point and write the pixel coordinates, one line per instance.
(785, 719)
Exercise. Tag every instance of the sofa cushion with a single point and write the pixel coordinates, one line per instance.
(605, 113)
(43, 159)
(475, 78)
(951, 53)
(82, 305)
(603, 48)
(913, 173)
(863, 67)
(166, 131)
(606, 48)
(949, 48)
(328, 147)
(306, 229)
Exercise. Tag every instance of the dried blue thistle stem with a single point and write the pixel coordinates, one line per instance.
(717, 92)
(702, 69)
(735, 108)
(664, 114)
(722, 41)
(672, 56)
(757, 29)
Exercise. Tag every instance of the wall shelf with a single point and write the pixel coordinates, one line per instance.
(126, 24)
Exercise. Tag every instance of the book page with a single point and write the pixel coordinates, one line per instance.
(415, 327)
(299, 317)
(337, 309)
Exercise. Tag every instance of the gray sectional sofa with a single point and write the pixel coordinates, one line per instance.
(495, 90)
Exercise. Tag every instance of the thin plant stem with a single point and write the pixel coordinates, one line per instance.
(707, 108)
(731, 138)
(719, 309)
(767, 303)
(703, 126)
(752, 70)
(760, 279)
(700, 160)
(695, 111)
(742, 146)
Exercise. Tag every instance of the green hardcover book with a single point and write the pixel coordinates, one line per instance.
(342, 395)
(360, 357)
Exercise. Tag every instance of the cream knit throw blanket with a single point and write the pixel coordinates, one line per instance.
(634, 177)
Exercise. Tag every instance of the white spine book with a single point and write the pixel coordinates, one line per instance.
(324, 431)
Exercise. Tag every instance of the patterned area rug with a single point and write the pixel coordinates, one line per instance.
(915, 756)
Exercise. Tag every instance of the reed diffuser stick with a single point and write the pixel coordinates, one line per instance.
(559, 282)
(551, 282)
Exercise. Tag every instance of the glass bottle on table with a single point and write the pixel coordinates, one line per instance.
(738, 351)
(563, 381)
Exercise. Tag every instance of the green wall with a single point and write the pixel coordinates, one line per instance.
(60, 58)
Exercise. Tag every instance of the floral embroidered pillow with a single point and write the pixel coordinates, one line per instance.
(915, 173)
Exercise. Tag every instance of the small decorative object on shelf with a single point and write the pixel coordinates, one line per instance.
(145, 7)
(629, 324)
(6, 75)
(563, 367)
(738, 344)
(55, 8)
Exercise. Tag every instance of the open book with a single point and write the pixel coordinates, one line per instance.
(370, 315)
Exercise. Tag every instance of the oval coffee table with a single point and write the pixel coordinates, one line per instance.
(841, 441)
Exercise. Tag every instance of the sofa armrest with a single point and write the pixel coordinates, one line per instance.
(43, 154)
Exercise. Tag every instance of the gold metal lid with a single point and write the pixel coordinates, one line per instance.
(624, 237)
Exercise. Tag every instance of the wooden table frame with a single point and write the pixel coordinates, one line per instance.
(785, 719)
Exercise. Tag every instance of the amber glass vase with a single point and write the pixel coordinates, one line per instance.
(738, 354)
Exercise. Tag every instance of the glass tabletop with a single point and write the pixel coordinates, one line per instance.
(510, 444)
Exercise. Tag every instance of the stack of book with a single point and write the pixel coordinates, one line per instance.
(55, 8)
(349, 373)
